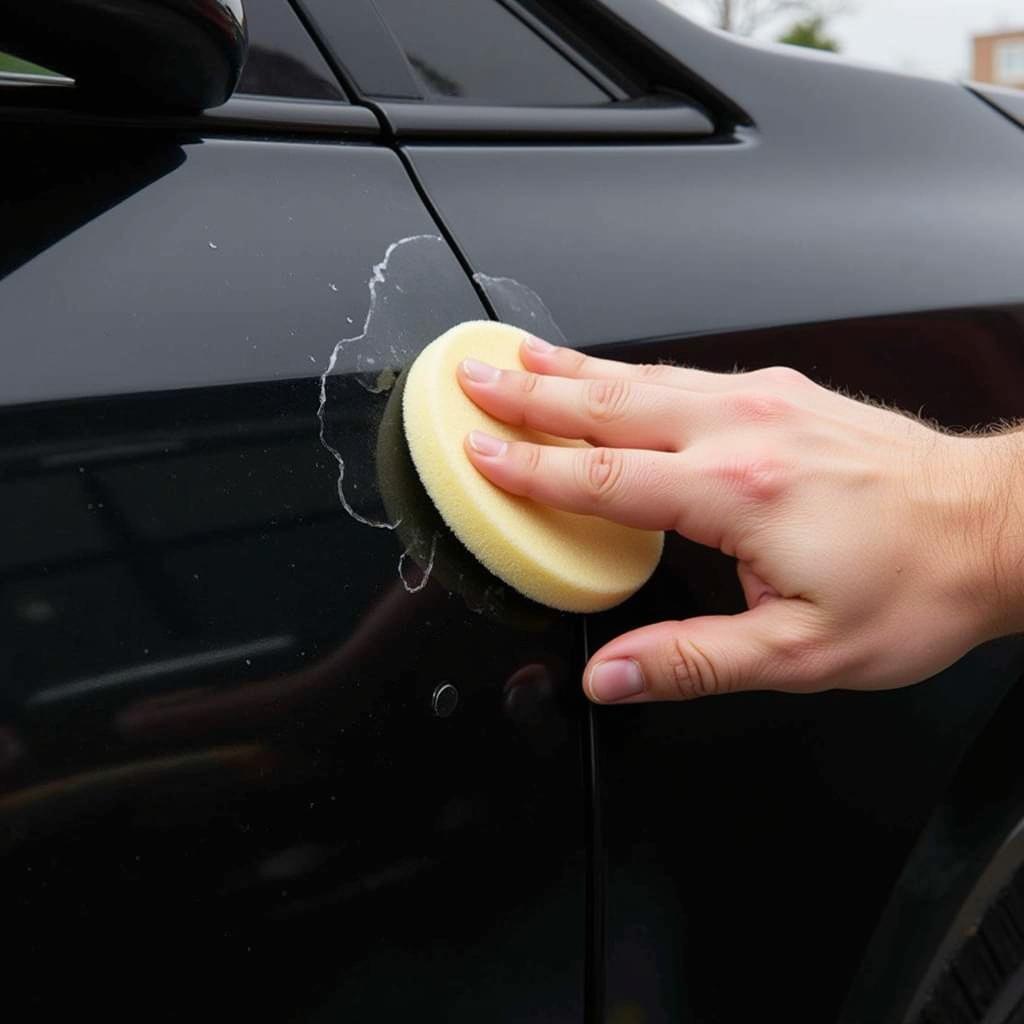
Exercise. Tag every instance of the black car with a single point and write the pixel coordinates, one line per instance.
(263, 758)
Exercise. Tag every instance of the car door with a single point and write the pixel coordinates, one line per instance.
(256, 760)
(667, 193)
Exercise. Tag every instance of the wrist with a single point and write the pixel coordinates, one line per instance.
(991, 521)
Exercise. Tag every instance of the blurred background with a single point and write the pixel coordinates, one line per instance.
(978, 39)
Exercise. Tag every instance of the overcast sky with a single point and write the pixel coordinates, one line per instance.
(921, 36)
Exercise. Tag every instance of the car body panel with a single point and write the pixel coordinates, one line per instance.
(654, 242)
(260, 757)
(227, 788)
(835, 234)
(1007, 101)
(754, 841)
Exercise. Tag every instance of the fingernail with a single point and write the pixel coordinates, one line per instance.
(538, 344)
(615, 680)
(484, 444)
(482, 373)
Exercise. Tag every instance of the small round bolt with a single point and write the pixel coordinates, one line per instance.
(445, 700)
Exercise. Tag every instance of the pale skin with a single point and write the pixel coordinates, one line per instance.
(873, 550)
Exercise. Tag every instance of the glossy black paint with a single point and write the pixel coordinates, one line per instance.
(225, 792)
(170, 54)
(752, 844)
(753, 841)
(255, 260)
(225, 788)
(629, 243)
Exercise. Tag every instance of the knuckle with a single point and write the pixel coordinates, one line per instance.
(527, 382)
(601, 473)
(528, 457)
(574, 361)
(691, 671)
(760, 407)
(757, 477)
(653, 371)
(782, 376)
(607, 399)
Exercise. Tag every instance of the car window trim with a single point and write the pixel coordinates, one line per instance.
(56, 104)
(367, 58)
(612, 121)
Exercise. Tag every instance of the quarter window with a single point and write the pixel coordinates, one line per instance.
(478, 51)
(282, 59)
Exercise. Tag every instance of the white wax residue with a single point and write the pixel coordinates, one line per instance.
(388, 317)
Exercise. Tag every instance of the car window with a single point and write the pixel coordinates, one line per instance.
(478, 51)
(283, 60)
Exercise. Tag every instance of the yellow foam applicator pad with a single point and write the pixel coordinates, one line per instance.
(571, 562)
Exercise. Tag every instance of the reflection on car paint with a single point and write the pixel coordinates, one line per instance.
(224, 722)
(225, 792)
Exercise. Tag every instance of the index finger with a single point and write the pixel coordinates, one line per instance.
(646, 489)
(541, 357)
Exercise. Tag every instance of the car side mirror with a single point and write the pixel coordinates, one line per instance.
(174, 55)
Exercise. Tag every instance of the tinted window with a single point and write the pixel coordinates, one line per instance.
(477, 50)
(283, 61)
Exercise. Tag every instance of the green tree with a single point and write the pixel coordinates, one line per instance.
(810, 32)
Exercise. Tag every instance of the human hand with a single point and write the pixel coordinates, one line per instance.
(873, 550)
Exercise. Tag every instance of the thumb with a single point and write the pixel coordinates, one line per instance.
(761, 649)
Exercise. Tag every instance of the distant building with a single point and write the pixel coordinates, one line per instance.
(999, 58)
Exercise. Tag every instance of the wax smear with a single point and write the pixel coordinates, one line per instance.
(409, 576)
(429, 543)
(520, 306)
(359, 414)
(363, 367)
